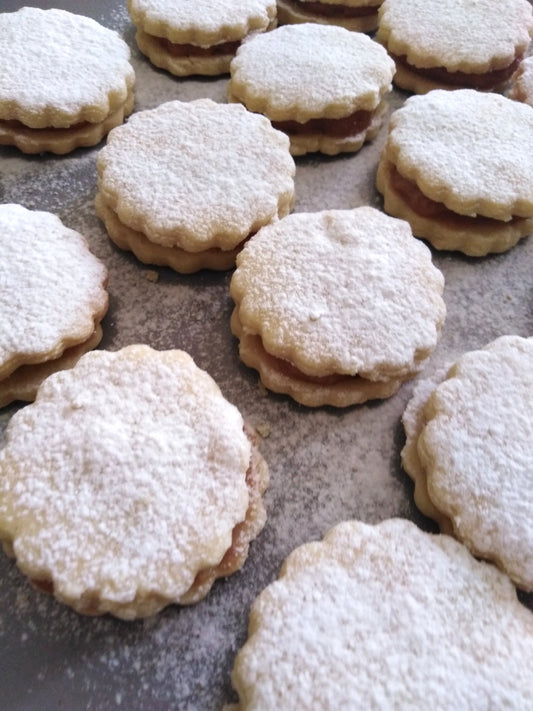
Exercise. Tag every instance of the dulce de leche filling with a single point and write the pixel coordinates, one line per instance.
(193, 50)
(332, 10)
(484, 81)
(339, 128)
(411, 194)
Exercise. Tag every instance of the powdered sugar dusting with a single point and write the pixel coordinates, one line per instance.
(126, 476)
(197, 174)
(373, 306)
(300, 72)
(354, 621)
(52, 288)
(203, 23)
(58, 68)
(476, 450)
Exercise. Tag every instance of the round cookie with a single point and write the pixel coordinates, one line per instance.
(52, 298)
(451, 44)
(131, 483)
(386, 617)
(522, 82)
(336, 307)
(355, 15)
(65, 80)
(323, 85)
(457, 166)
(187, 38)
(186, 183)
(469, 444)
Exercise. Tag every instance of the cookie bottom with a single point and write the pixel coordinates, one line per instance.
(23, 383)
(62, 140)
(276, 374)
(291, 12)
(150, 253)
(474, 236)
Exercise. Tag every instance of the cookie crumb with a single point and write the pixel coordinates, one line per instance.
(151, 275)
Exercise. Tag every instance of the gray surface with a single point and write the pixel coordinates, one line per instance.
(325, 465)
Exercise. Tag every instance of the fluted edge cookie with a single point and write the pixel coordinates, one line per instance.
(185, 184)
(323, 85)
(469, 439)
(456, 167)
(187, 38)
(41, 110)
(325, 317)
(451, 44)
(130, 483)
(53, 296)
(354, 620)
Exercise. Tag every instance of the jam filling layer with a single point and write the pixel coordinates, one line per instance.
(411, 194)
(193, 50)
(483, 82)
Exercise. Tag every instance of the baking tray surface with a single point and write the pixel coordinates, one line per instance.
(326, 465)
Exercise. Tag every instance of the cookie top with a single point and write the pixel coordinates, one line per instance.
(477, 36)
(203, 24)
(354, 621)
(522, 82)
(475, 447)
(341, 291)
(52, 289)
(124, 479)
(58, 69)
(299, 72)
(470, 150)
(197, 174)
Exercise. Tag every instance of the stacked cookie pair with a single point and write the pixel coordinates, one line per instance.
(65, 80)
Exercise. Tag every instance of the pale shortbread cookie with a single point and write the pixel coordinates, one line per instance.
(355, 15)
(336, 307)
(457, 166)
(186, 183)
(522, 82)
(52, 298)
(451, 44)
(386, 617)
(323, 85)
(65, 80)
(188, 38)
(468, 448)
(131, 483)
